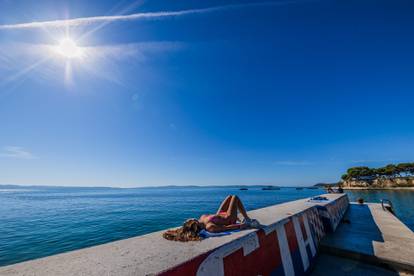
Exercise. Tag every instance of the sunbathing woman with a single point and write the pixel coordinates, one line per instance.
(225, 219)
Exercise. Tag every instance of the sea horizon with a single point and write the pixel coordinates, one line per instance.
(162, 186)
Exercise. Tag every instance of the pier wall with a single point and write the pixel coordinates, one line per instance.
(332, 213)
(287, 245)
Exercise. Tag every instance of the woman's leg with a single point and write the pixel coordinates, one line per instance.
(231, 212)
(224, 205)
(236, 204)
(241, 208)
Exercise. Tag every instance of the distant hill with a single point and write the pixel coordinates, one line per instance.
(12, 187)
(24, 187)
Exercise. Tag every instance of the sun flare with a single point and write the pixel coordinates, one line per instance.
(68, 48)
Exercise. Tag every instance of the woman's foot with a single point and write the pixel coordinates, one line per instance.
(252, 223)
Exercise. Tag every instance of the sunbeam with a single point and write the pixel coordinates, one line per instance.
(24, 71)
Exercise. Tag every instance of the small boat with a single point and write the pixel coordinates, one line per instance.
(243, 189)
(270, 188)
(312, 188)
(299, 188)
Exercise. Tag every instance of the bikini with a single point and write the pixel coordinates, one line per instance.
(216, 218)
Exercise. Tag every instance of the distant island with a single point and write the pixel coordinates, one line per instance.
(389, 176)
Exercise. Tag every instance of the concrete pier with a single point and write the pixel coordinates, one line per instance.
(287, 244)
(373, 235)
(333, 265)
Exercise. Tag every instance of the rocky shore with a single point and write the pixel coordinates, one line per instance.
(394, 183)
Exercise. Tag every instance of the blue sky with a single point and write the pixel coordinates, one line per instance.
(203, 92)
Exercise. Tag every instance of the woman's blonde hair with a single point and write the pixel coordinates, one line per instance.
(188, 232)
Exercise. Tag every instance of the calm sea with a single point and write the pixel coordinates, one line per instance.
(38, 222)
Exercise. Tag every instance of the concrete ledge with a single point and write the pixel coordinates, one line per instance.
(287, 244)
(373, 236)
(332, 213)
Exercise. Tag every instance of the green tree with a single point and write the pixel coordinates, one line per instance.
(390, 170)
(404, 168)
(360, 172)
(411, 169)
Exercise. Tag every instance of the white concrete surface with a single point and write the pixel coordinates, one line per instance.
(373, 234)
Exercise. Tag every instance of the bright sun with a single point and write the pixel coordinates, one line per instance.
(69, 49)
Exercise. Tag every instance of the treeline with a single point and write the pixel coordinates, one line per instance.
(388, 172)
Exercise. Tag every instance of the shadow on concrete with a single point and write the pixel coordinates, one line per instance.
(333, 265)
(359, 234)
(355, 237)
